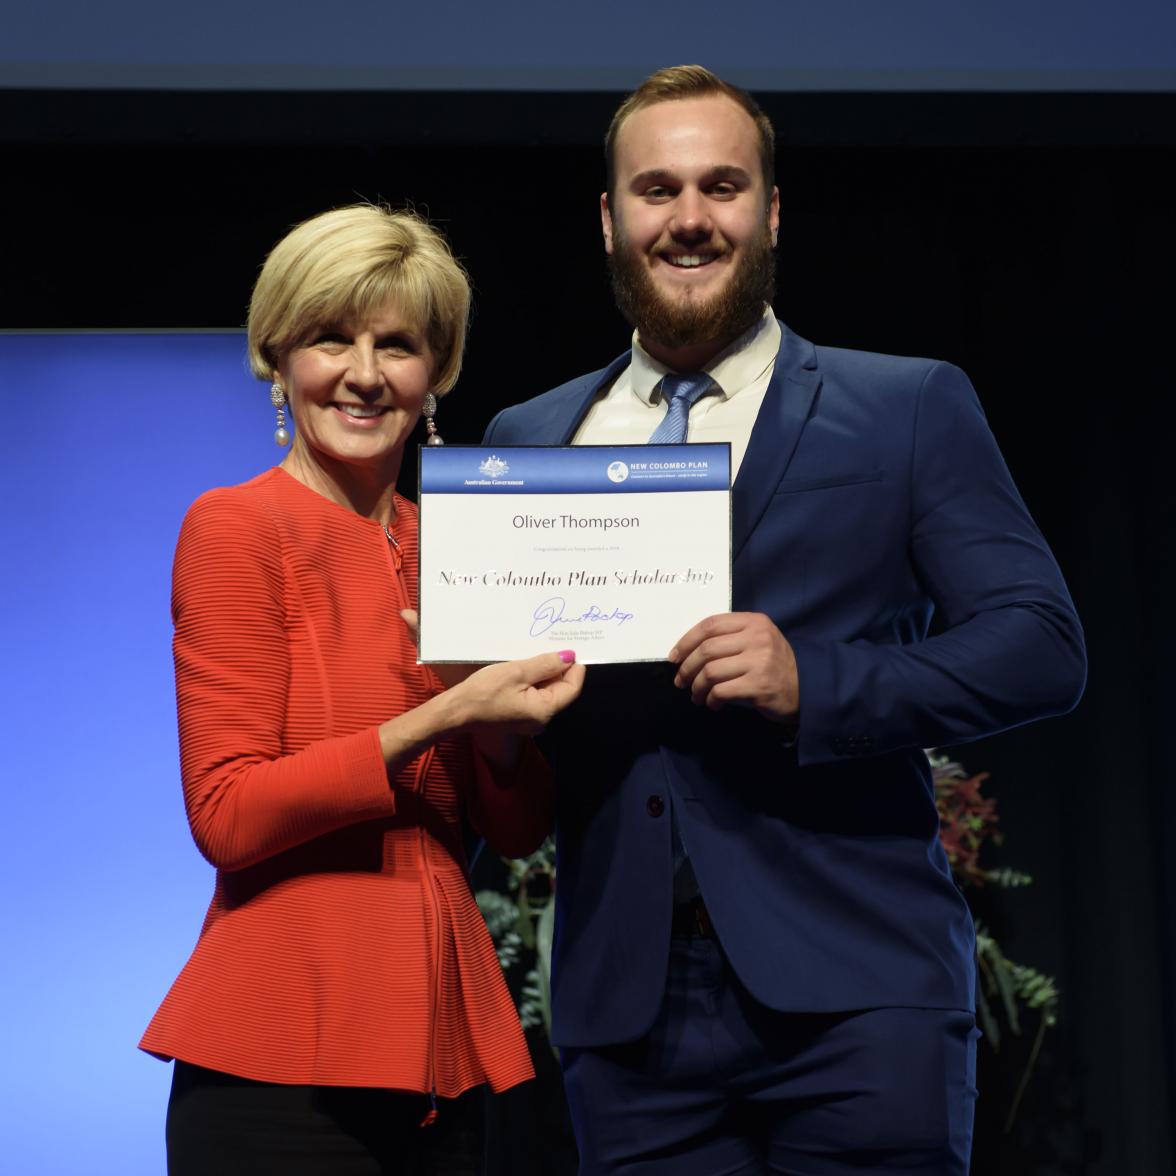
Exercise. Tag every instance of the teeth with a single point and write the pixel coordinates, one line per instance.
(689, 260)
(360, 410)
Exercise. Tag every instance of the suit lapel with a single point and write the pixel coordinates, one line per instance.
(787, 404)
(565, 416)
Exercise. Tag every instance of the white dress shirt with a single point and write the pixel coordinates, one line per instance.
(629, 411)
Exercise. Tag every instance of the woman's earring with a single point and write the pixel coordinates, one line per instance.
(278, 400)
(429, 411)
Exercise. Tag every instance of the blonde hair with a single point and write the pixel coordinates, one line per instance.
(351, 262)
(674, 83)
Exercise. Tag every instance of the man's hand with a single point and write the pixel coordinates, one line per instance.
(739, 657)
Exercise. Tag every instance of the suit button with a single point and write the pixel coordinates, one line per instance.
(655, 806)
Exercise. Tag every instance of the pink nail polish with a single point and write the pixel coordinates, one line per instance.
(567, 655)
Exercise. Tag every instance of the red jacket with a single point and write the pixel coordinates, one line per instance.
(342, 945)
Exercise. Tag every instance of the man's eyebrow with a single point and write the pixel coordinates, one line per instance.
(657, 175)
(729, 171)
(718, 172)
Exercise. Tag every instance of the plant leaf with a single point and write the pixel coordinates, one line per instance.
(987, 1021)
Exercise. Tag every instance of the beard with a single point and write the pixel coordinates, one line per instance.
(672, 324)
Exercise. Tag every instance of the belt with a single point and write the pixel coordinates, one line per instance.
(691, 920)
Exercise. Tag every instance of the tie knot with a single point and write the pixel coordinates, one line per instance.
(680, 392)
(686, 387)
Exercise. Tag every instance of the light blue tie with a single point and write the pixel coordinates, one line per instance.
(681, 392)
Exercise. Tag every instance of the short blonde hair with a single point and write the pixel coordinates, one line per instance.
(351, 262)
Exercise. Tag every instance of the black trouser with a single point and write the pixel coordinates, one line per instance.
(221, 1125)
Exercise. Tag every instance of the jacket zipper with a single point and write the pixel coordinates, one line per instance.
(424, 762)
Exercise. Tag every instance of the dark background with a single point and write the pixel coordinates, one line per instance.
(1029, 238)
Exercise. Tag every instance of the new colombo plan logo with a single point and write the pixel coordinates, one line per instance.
(493, 467)
(617, 471)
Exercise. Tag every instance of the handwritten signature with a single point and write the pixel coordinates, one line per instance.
(551, 613)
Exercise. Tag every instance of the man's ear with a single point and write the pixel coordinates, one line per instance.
(774, 215)
(606, 224)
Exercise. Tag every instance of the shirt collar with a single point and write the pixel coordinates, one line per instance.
(733, 369)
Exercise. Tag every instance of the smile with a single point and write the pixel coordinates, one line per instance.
(689, 260)
(360, 412)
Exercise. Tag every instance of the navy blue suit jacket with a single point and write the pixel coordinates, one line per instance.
(872, 494)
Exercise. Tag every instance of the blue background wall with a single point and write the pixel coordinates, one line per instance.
(106, 440)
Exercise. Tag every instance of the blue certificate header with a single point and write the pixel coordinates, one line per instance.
(580, 469)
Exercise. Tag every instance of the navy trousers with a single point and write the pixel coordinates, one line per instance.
(722, 1085)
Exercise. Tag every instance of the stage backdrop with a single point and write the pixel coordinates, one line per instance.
(610, 44)
(106, 440)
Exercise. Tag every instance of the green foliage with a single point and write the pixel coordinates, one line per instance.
(521, 923)
(1005, 989)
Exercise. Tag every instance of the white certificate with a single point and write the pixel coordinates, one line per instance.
(613, 551)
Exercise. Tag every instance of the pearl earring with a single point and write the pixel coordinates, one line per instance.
(428, 411)
(278, 400)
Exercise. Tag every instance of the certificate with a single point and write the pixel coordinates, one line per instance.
(613, 551)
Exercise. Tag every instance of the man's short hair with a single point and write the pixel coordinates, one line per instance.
(689, 81)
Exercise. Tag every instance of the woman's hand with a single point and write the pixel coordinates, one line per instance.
(504, 702)
(494, 704)
(519, 696)
(536, 689)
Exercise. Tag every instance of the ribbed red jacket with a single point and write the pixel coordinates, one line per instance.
(342, 945)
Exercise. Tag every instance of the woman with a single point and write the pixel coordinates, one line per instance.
(343, 978)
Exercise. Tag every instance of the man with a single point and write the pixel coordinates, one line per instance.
(761, 962)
